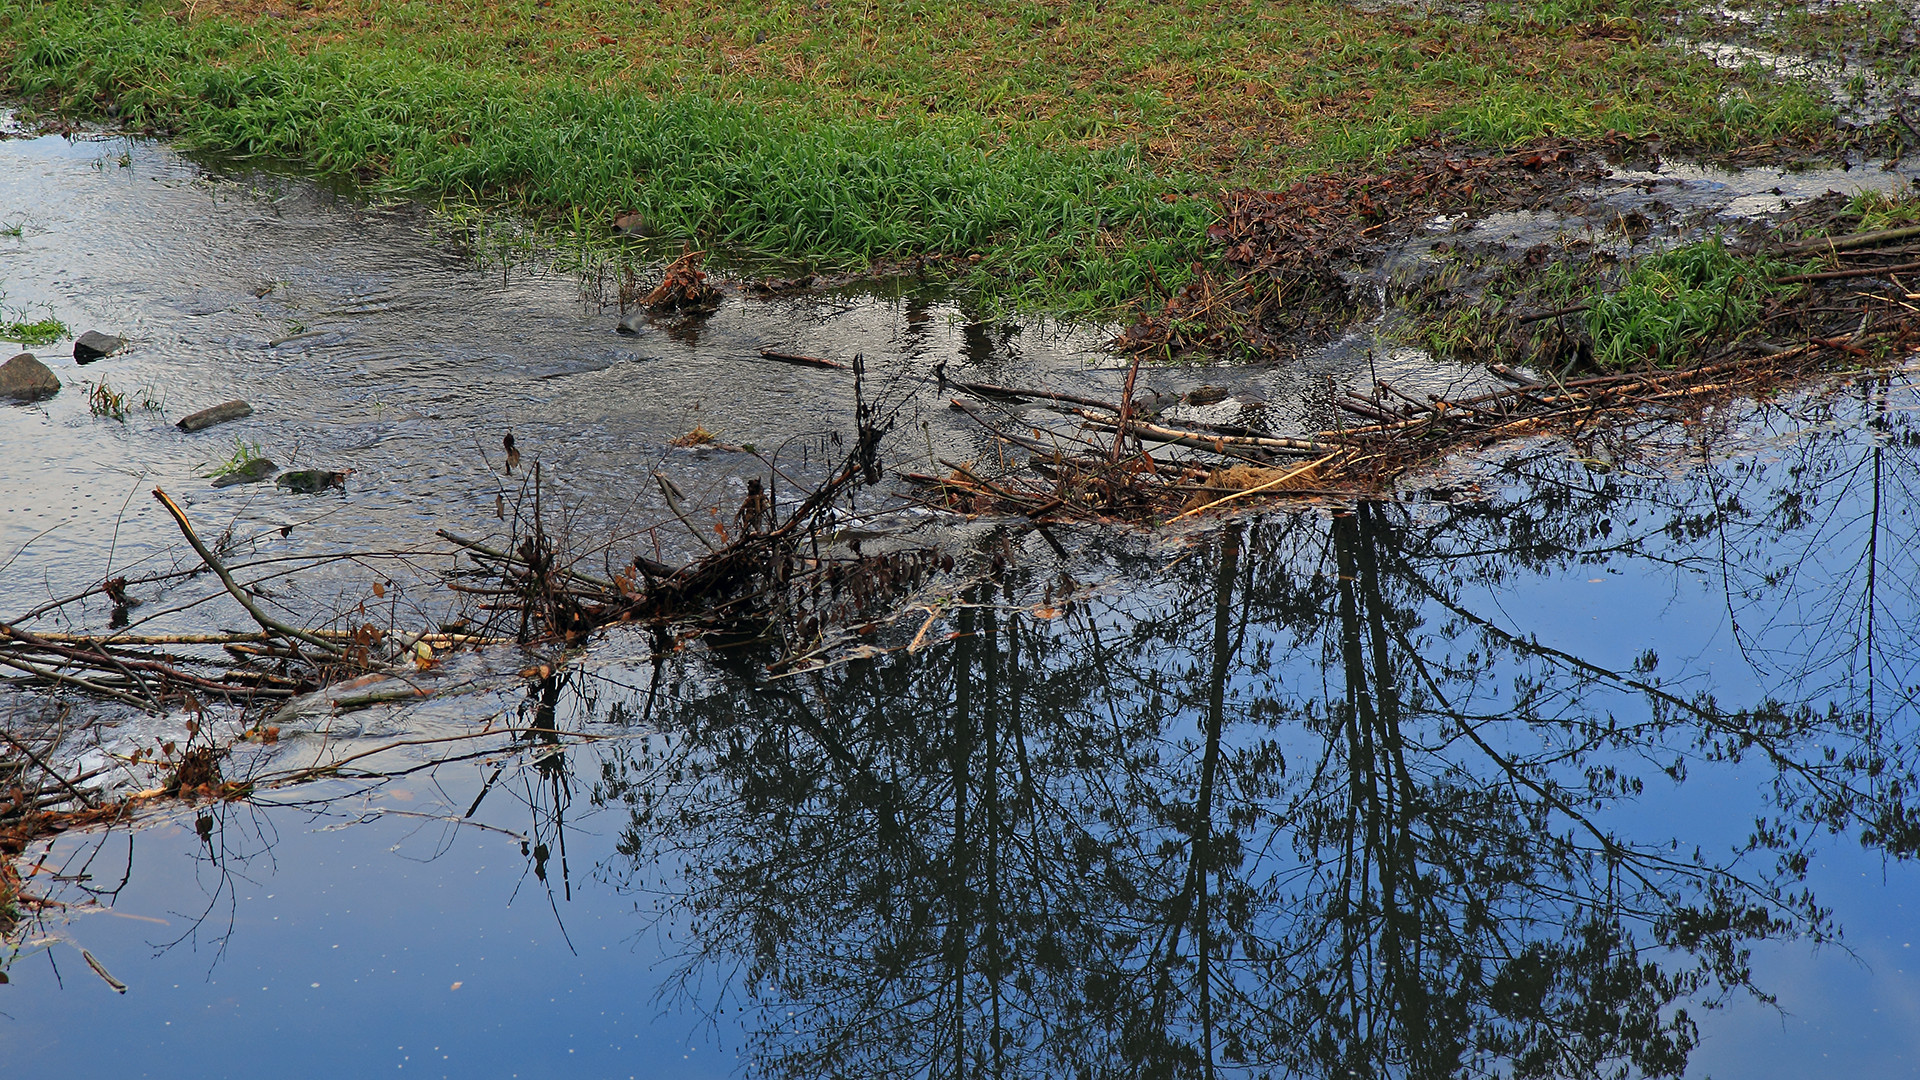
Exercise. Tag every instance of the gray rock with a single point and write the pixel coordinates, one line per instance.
(634, 324)
(94, 345)
(254, 471)
(206, 418)
(24, 378)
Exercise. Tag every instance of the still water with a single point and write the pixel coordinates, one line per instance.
(1575, 760)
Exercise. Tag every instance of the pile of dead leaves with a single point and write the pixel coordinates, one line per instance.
(684, 288)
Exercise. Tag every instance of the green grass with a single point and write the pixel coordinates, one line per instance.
(105, 402)
(241, 455)
(39, 332)
(1670, 303)
(1072, 145)
(1879, 210)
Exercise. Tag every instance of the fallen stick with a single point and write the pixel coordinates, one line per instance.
(1213, 442)
(973, 414)
(1848, 243)
(1032, 508)
(1543, 316)
(1513, 376)
(494, 553)
(1360, 406)
(802, 361)
(990, 390)
(97, 658)
(267, 622)
(1579, 391)
(130, 639)
(1836, 275)
(71, 680)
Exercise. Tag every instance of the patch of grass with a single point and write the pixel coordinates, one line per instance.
(39, 332)
(1060, 141)
(1669, 303)
(105, 402)
(1465, 309)
(241, 456)
(13, 229)
(1879, 210)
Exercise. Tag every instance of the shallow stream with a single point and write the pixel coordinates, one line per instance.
(1571, 758)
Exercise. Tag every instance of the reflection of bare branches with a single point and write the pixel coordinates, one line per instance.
(1044, 847)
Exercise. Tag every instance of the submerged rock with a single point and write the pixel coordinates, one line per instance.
(309, 481)
(25, 378)
(94, 345)
(206, 418)
(254, 471)
(1149, 402)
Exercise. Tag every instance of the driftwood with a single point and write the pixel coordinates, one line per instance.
(1849, 243)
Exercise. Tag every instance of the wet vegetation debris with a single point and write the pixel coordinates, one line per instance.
(699, 436)
(683, 288)
(1765, 288)
(1281, 276)
(770, 578)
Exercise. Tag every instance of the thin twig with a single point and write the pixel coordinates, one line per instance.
(266, 621)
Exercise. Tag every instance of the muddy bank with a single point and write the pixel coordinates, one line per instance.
(1292, 270)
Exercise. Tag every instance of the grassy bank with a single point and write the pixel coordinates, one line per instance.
(1073, 146)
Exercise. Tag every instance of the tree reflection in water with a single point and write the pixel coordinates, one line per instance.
(1320, 799)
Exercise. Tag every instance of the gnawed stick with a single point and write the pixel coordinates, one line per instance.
(267, 622)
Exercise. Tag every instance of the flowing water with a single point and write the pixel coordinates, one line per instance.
(1573, 758)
